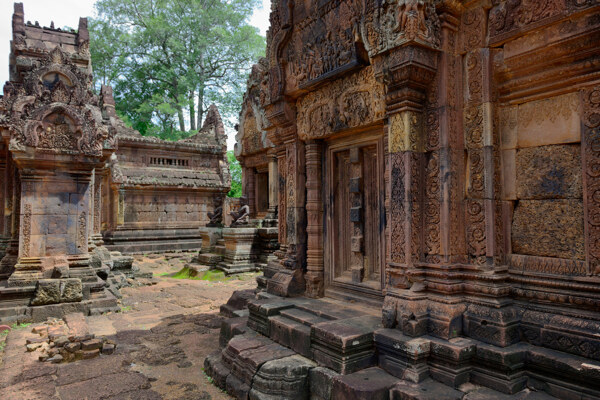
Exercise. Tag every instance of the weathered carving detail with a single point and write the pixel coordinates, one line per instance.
(397, 208)
(548, 265)
(314, 211)
(82, 233)
(320, 47)
(509, 16)
(401, 21)
(548, 110)
(358, 102)
(26, 230)
(591, 150)
(47, 112)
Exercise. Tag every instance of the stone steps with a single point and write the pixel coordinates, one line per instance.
(304, 348)
(304, 317)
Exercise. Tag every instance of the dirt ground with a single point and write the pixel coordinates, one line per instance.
(165, 330)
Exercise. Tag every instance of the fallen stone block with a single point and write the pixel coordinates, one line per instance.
(92, 344)
(108, 348)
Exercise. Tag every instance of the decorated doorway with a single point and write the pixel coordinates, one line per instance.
(355, 220)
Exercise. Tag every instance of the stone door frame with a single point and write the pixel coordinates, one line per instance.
(333, 287)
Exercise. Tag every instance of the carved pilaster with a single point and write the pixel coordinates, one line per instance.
(314, 211)
(408, 72)
(282, 198)
(591, 166)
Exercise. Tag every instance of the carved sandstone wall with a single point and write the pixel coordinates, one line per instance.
(162, 191)
(461, 135)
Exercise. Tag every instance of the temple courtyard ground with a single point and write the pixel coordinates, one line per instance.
(166, 328)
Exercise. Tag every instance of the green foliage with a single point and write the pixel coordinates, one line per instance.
(168, 60)
(235, 169)
(20, 326)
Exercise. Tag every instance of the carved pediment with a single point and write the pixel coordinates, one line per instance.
(357, 100)
(53, 110)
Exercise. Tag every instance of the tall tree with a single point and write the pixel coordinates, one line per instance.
(169, 59)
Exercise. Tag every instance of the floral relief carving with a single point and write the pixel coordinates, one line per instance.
(397, 208)
(476, 230)
(82, 232)
(26, 229)
(591, 150)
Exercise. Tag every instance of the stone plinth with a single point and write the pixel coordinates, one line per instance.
(269, 243)
(210, 237)
(241, 250)
(213, 249)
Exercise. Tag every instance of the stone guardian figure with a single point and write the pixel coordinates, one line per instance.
(242, 215)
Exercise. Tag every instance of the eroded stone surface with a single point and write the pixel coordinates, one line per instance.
(549, 228)
(549, 172)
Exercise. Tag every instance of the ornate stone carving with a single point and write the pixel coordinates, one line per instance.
(47, 112)
(591, 161)
(398, 208)
(242, 215)
(82, 233)
(509, 16)
(26, 231)
(323, 47)
(359, 101)
(401, 21)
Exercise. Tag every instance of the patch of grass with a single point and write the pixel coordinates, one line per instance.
(125, 309)
(215, 276)
(20, 326)
(161, 274)
(210, 275)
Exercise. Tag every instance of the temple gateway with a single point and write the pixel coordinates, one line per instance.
(435, 164)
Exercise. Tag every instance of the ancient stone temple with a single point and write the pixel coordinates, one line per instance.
(437, 173)
(56, 134)
(74, 178)
(160, 192)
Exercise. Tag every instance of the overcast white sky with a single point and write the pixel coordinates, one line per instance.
(67, 12)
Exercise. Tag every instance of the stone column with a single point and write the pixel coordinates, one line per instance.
(271, 217)
(3, 234)
(249, 189)
(96, 199)
(314, 217)
(289, 280)
(282, 201)
(11, 223)
(406, 159)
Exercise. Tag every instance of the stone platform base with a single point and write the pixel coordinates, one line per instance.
(153, 241)
(323, 349)
(14, 307)
(230, 269)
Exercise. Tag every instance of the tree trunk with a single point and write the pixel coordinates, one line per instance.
(192, 111)
(181, 119)
(200, 115)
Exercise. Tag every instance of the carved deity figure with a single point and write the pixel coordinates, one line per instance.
(216, 217)
(242, 215)
(411, 18)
